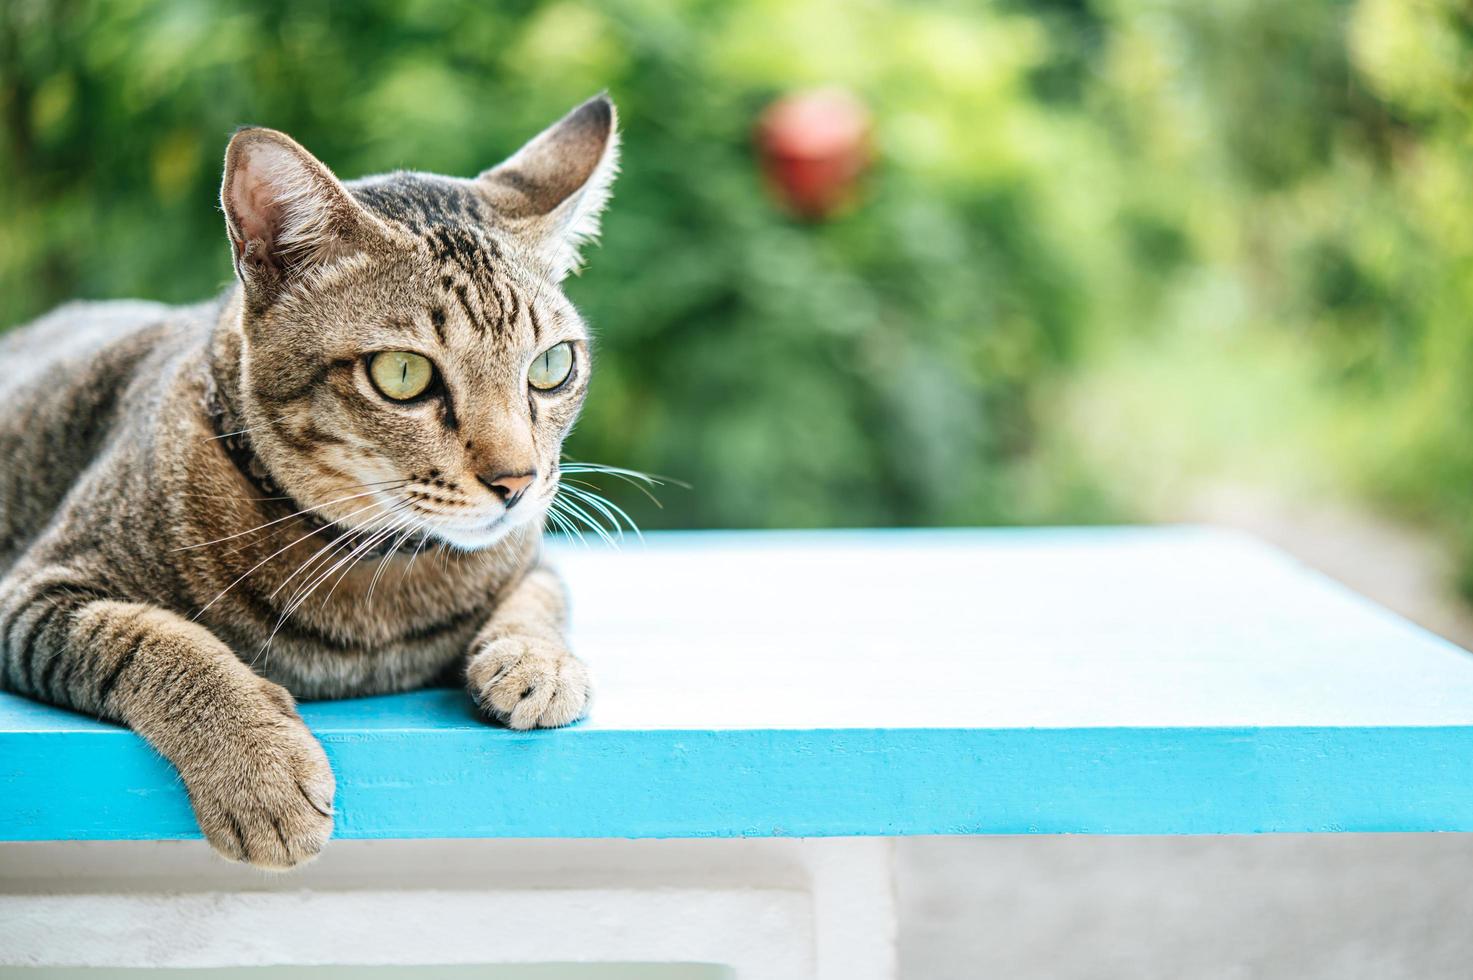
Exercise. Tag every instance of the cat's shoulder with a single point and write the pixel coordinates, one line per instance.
(97, 316)
(107, 335)
(82, 324)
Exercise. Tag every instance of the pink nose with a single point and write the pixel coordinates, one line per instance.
(508, 487)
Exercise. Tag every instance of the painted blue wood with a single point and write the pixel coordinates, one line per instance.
(1143, 681)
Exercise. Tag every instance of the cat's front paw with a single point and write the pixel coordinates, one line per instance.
(264, 796)
(527, 682)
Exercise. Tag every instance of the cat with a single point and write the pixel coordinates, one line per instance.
(209, 511)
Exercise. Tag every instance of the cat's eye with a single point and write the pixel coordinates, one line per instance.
(400, 375)
(552, 367)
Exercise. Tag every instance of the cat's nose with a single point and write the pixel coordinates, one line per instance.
(508, 487)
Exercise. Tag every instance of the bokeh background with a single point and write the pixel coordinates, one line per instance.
(1113, 256)
(1116, 260)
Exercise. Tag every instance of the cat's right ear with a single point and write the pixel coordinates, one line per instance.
(285, 212)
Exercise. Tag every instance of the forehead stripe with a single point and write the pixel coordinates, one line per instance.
(536, 323)
(501, 303)
(496, 295)
(465, 304)
(516, 304)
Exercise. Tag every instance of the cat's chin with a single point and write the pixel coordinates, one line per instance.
(478, 538)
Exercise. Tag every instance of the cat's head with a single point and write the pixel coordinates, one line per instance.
(409, 359)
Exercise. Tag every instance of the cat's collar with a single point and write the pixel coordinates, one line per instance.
(236, 442)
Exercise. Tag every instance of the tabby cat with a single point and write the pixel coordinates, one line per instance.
(208, 510)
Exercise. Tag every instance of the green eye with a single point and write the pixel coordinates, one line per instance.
(551, 368)
(400, 375)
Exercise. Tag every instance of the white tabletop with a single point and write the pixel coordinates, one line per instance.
(993, 629)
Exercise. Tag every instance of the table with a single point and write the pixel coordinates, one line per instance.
(770, 708)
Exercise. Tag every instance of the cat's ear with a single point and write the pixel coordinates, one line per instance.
(554, 188)
(284, 210)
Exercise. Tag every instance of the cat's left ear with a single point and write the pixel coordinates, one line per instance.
(554, 188)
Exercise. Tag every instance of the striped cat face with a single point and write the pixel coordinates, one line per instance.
(409, 361)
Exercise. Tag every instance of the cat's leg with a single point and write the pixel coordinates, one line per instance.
(520, 670)
(259, 782)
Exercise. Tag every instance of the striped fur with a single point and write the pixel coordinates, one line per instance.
(208, 510)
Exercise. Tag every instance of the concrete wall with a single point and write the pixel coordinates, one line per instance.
(1224, 908)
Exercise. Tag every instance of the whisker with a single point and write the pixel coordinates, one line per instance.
(241, 432)
(324, 557)
(235, 496)
(409, 566)
(263, 561)
(574, 510)
(579, 466)
(361, 552)
(330, 547)
(393, 549)
(596, 488)
(384, 563)
(298, 599)
(274, 531)
(570, 530)
(643, 482)
(609, 509)
(602, 511)
(555, 510)
(229, 496)
(560, 526)
(262, 527)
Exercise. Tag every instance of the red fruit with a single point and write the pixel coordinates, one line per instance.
(815, 146)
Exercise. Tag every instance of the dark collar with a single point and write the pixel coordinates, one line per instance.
(237, 443)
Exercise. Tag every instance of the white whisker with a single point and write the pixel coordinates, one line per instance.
(424, 539)
(596, 488)
(346, 562)
(620, 472)
(262, 527)
(575, 511)
(330, 548)
(263, 561)
(565, 524)
(559, 523)
(241, 432)
(410, 528)
(608, 508)
(362, 552)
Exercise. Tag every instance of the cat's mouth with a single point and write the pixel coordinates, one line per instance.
(479, 535)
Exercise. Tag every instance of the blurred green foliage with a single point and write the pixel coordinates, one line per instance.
(1103, 239)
